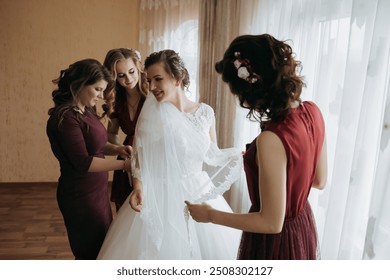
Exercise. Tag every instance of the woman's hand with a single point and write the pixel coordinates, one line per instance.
(136, 199)
(124, 151)
(200, 212)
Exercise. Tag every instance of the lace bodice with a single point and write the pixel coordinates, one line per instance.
(191, 153)
(201, 120)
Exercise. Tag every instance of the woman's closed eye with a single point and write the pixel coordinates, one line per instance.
(155, 79)
(122, 75)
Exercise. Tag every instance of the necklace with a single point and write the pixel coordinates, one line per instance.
(134, 107)
(77, 109)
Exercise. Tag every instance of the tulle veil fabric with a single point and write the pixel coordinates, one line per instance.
(176, 161)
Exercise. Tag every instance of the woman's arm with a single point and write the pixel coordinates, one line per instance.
(272, 162)
(108, 164)
(113, 131)
(213, 133)
(114, 150)
(136, 196)
(75, 150)
(321, 174)
(113, 147)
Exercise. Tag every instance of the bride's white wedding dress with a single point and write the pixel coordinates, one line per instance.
(176, 161)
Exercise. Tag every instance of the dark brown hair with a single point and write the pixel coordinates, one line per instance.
(279, 84)
(173, 65)
(73, 79)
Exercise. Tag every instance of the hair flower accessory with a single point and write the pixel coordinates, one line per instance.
(243, 73)
(136, 52)
(244, 69)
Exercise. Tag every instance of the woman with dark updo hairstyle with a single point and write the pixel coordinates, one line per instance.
(79, 141)
(285, 160)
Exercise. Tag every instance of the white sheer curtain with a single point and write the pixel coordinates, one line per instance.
(344, 48)
(217, 27)
(171, 24)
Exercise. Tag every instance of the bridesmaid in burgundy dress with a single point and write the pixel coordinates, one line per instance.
(131, 87)
(284, 162)
(79, 141)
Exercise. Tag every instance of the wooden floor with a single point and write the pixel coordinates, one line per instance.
(31, 225)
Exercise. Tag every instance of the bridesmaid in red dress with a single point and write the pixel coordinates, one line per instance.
(79, 141)
(131, 87)
(285, 160)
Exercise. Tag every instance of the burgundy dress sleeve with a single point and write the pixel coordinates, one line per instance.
(73, 144)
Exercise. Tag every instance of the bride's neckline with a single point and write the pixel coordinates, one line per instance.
(193, 112)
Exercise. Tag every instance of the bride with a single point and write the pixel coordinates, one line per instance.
(175, 158)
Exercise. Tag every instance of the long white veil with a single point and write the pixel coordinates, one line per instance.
(176, 161)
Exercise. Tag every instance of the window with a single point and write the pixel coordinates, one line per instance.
(186, 44)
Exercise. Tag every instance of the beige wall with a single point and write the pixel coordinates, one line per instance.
(38, 39)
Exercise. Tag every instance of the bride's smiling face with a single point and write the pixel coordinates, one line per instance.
(161, 84)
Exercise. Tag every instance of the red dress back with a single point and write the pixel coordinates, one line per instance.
(302, 135)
